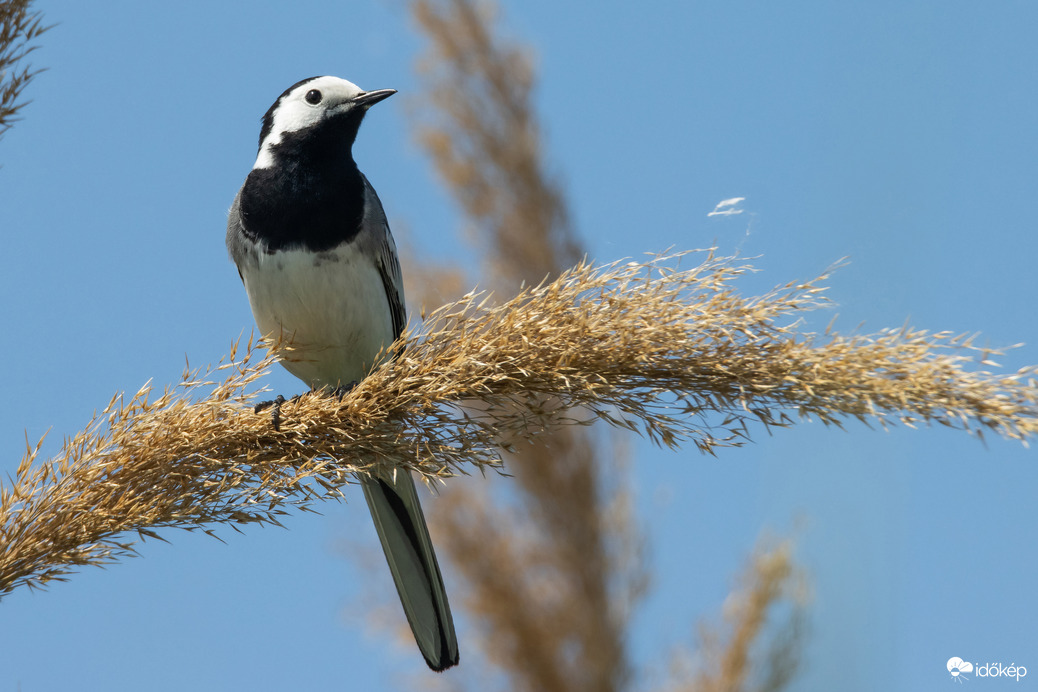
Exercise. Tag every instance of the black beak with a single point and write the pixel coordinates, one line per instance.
(370, 98)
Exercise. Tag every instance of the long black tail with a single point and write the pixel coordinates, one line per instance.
(405, 538)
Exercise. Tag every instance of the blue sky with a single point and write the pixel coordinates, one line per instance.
(898, 134)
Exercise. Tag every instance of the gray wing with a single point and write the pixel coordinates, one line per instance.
(238, 246)
(380, 244)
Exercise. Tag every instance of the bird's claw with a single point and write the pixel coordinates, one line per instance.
(275, 403)
(275, 414)
(342, 390)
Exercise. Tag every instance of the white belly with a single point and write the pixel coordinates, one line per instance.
(329, 309)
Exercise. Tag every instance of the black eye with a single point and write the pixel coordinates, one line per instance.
(313, 97)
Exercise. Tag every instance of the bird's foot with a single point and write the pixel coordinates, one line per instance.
(276, 403)
(342, 390)
(275, 414)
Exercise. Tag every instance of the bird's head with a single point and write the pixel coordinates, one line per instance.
(315, 109)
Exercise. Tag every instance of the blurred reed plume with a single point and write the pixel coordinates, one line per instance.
(675, 353)
(726, 660)
(485, 143)
(19, 27)
(550, 558)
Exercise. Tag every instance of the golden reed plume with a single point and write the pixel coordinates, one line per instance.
(672, 352)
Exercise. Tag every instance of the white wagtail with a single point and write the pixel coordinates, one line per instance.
(319, 264)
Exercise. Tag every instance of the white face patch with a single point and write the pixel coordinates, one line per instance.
(295, 111)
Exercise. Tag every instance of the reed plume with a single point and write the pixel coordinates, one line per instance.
(672, 352)
(19, 27)
(550, 559)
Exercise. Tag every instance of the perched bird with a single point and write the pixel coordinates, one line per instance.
(320, 267)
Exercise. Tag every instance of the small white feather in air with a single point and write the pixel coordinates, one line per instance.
(726, 207)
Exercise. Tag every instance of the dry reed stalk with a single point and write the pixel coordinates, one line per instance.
(644, 346)
(18, 28)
